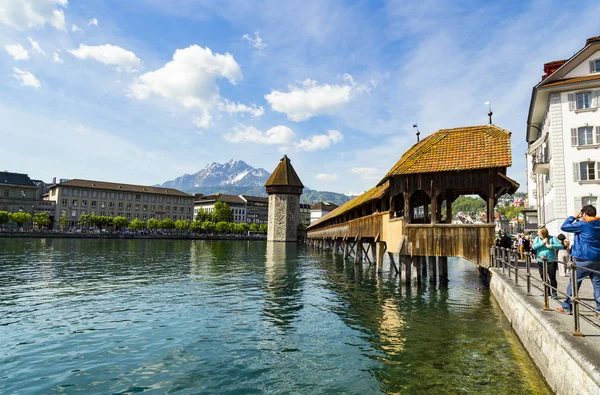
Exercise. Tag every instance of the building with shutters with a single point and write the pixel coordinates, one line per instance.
(563, 136)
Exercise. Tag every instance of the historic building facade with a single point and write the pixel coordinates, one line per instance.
(76, 197)
(563, 136)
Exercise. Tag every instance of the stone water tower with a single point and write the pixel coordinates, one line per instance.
(284, 188)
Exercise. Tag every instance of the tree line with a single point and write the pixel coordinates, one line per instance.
(41, 219)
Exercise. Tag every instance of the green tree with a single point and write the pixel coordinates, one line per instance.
(41, 219)
(208, 226)
(136, 224)
(262, 228)
(166, 223)
(510, 211)
(119, 222)
(85, 219)
(152, 223)
(222, 212)
(62, 222)
(195, 226)
(468, 205)
(242, 227)
(181, 224)
(4, 218)
(253, 227)
(203, 215)
(20, 218)
(222, 226)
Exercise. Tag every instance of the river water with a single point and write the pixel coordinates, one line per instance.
(239, 317)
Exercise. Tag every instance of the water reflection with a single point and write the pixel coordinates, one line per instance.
(283, 301)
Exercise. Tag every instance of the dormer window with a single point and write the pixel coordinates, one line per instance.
(583, 100)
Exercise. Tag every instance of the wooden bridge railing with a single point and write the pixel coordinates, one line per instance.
(369, 226)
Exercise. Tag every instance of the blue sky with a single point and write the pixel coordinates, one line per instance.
(145, 91)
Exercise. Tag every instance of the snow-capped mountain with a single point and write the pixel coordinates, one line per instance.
(235, 173)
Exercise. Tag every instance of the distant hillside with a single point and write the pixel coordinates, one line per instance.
(239, 178)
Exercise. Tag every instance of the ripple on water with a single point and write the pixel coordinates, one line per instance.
(129, 316)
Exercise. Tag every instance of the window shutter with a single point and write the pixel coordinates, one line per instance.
(592, 66)
(571, 97)
(596, 98)
(575, 171)
(573, 137)
(597, 134)
(577, 203)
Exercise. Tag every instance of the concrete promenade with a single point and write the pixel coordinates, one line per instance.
(570, 364)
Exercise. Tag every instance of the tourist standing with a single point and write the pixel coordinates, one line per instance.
(546, 247)
(520, 246)
(585, 251)
(563, 256)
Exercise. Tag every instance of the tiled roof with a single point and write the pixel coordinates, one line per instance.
(591, 40)
(372, 194)
(574, 80)
(284, 175)
(258, 199)
(327, 206)
(221, 197)
(15, 179)
(113, 186)
(465, 148)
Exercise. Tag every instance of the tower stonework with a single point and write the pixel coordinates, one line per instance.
(284, 188)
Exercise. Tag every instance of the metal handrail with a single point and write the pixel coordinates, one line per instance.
(508, 260)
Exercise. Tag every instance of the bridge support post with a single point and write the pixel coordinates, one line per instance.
(335, 246)
(406, 269)
(373, 251)
(393, 263)
(358, 252)
(345, 248)
(443, 263)
(380, 252)
(423, 268)
(432, 269)
(416, 270)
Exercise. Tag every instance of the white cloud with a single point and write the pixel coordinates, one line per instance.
(256, 42)
(93, 22)
(204, 120)
(26, 78)
(320, 141)
(75, 28)
(326, 177)
(108, 54)
(56, 58)
(17, 52)
(279, 134)
(237, 108)
(28, 14)
(58, 19)
(36, 47)
(366, 173)
(191, 80)
(310, 99)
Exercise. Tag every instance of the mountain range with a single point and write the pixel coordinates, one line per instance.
(236, 177)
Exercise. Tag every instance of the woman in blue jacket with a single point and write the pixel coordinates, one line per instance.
(547, 246)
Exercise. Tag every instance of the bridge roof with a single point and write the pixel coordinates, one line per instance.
(372, 194)
(464, 148)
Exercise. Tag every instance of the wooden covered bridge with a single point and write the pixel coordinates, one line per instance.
(404, 216)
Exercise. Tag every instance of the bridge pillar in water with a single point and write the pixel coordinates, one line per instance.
(423, 267)
(380, 252)
(406, 269)
(335, 246)
(345, 249)
(372, 247)
(416, 270)
(432, 269)
(358, 252)
(443, 266)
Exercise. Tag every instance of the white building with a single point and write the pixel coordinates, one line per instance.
(321, 209)
(236, 203)
(563, 134)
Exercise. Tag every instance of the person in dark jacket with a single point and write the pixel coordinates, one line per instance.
(585, 251)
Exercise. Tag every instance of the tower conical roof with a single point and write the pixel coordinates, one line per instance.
(284, 175)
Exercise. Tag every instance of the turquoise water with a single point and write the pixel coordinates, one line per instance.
(238, 317)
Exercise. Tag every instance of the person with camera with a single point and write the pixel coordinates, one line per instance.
(585, 251)
(546, 247)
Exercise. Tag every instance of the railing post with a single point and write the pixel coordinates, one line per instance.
(503, 259)
(528, 270)
(545, 284)
(516, 268)
(575, 300)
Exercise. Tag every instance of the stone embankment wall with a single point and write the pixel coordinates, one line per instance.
(563, 360)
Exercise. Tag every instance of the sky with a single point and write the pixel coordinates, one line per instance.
(145, 91)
